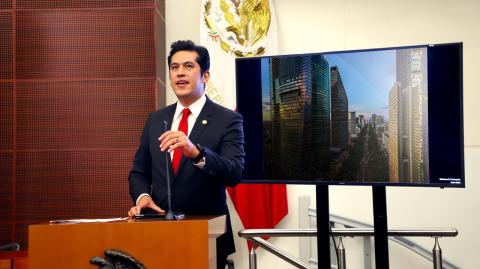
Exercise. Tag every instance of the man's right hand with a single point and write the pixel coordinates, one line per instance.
(144, 202)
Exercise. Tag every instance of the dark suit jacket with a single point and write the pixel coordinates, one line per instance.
(194, 191)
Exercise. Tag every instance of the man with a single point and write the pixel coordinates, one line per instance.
(204, 145)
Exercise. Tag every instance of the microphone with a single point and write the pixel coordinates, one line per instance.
(170, 215)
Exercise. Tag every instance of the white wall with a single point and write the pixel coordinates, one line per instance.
(321, 25)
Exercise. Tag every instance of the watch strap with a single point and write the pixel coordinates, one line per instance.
(201, 153)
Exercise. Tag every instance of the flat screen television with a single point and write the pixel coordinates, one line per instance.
(388, 116)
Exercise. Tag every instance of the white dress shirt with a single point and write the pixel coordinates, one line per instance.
(195, 110)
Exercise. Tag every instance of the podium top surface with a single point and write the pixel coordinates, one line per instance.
(215, 223)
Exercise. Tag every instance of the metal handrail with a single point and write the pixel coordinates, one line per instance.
(347, 232)
(258, 241)
(409, 244)
(254, 235)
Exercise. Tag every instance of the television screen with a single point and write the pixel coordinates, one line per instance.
(391, 116)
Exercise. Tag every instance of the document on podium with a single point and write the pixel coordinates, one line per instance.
(73, 221)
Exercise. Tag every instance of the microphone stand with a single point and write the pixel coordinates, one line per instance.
(170, 215)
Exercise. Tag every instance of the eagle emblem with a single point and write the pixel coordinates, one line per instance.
(240, 27)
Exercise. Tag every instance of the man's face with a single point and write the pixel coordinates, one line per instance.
(185, 76)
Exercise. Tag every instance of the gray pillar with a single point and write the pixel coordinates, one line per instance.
(341, 254)
(437, 255)
(252, 258)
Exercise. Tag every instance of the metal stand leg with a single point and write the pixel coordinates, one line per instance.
(380, 224)
(323, 228)
(437, 255)
(252, 259)
(341, 254)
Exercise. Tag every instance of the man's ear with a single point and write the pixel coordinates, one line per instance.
(206, 76)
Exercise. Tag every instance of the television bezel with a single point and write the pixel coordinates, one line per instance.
(389, 184)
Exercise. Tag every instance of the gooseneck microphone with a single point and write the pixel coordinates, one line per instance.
(170, 215)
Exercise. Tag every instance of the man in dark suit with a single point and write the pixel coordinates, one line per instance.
(204, 148)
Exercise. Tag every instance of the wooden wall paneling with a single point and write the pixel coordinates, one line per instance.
(6, 163)
(83, 114)
(91, 4)
(6, 46)
(21, 235)
(6, 116)
(77, 80)
(6, 4)
(160, 5)
(108, 43)
(73, 184)
(161, 57)
(6, 235)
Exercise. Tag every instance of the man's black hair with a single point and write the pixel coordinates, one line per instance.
(203, 58)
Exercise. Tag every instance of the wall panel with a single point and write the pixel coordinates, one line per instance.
(161, 57)
(85, 44)
(6, 116)
(21, 235)
(6, 45)
(6, 235)
(77, 81)
(6, 4)
(83, 114)
(6, 197)
(92, 4)
(73, 184)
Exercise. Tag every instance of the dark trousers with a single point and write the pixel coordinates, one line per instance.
(221, 261)
(225, 246)
(223, 250)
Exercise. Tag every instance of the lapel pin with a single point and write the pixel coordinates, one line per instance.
(204, 122)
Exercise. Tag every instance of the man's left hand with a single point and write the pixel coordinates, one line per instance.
(172, 140)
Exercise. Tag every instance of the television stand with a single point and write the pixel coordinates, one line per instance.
(379, 222)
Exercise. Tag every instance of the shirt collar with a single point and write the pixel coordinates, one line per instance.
(195, 108)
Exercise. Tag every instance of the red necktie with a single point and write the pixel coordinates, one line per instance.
(183, 127)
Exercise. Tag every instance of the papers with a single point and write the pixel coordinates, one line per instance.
(72, 221)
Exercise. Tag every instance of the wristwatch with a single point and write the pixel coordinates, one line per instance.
(200, 155)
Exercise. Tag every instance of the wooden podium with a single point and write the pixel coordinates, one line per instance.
(188, 243)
